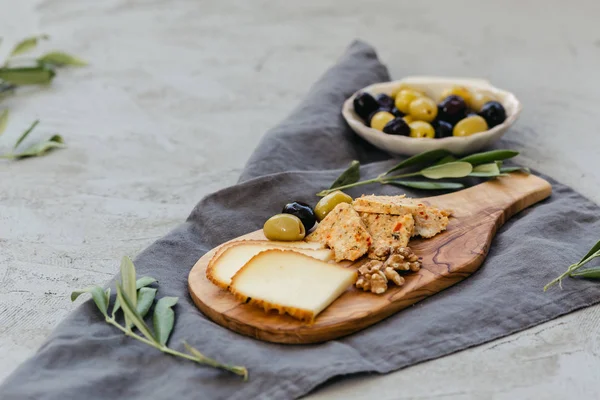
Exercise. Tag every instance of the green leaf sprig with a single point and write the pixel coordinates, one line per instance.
(590, 273)
(19, 70)
(134, 299)
(435, 165)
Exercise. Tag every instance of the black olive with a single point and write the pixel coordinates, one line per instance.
(397, 126)
(302, 211)
(397, 113)
(442, 129)
(493, 113)
(365, 105)
(385, 101)
(452, 109)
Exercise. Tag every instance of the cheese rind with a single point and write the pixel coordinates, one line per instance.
(231, 257)
(291, 282)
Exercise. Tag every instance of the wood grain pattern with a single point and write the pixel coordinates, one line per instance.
(447, 259)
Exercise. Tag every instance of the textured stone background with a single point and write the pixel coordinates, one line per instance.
(178, 94)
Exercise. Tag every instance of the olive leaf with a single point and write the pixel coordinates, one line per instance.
(26, 133)
(239, 370)
(140, 283)
(27, 44)
(164, 318)
(506, 170)
(489, 156)
(455, 169)
(145, 281)
(3, 120)
(98, 295)
(486, 170)
(60, 58)
(145, 298)
(128, 283)
(428, 156)
(350, 175)
(41, 148)
(590, 273)
(426, 185)
(447, 159)
(38, 75)
(591, 253)
(132, 315)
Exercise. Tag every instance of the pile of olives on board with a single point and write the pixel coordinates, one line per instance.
(297, 218)
(410, 112)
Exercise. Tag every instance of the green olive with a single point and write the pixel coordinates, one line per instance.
(285, 227)
(423, 109)
(380, 118)
(421, 129)
(404, 98)
(328, 203)
(469, 126)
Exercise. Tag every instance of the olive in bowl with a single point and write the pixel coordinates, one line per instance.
(493, 112)
(302, 211)
(365, 105)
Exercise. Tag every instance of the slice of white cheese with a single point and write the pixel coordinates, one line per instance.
(290, 282)
(230, 258)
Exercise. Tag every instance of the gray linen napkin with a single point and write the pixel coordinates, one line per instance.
(85, 358)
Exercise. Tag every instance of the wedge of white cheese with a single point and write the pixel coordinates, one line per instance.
(231, 257)
(291, 282)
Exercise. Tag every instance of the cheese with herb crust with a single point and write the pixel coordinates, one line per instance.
(343, 231)
(429, 221)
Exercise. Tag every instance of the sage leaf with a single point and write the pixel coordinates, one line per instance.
(107, 295)
(128, 282)
(590, 253)
(590, 273)
(3, 120)
(486, 170)
(455, 169)
(60, 58)
(144, 281)
(145, 298)
(132, 315)
(39, 75)
(140, 283)
(164, 318)
(98, 296)
(506, 170)
(426, 185)
(350, 175)
(446, 160)
(426, 157)
(489, 156)
(27, 44)
(239, 370)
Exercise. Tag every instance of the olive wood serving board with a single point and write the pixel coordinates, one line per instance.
(447, 259)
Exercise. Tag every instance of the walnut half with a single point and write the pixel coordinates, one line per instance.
(374, 275)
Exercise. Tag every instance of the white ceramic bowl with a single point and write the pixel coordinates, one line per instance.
(433, 86)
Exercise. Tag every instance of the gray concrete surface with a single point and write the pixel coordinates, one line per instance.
(178, 94)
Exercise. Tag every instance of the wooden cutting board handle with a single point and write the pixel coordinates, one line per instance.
(447, 259)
